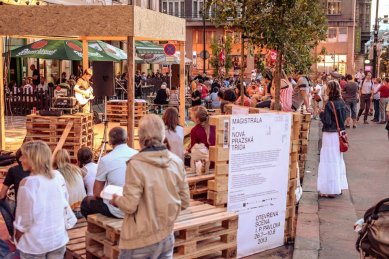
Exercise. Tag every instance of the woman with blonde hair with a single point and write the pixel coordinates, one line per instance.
(40, 214)
(154, 193)
(73, 179)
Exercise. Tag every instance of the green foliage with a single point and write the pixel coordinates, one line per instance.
(218, 45)
(295, 26)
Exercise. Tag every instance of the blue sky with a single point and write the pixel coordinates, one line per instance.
(383, 9)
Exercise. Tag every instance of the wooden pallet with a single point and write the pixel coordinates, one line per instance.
(200, 230)
(198, 185)
(76, 247)
(50, 129)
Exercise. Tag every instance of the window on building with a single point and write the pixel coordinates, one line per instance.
(164, 7)
(331, 34)
(342, 36)
(334, 7)
(182, 9)
(170, 10)
(176, 9)
(195, 9)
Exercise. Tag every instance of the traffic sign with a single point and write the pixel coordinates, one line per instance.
(204, 54)
(169, 49)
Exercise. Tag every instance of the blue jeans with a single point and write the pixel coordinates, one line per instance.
(7, 210)
(55, 254)
(160, 250)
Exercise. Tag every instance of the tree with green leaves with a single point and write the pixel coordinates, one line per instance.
(218, 45)
(291, 27)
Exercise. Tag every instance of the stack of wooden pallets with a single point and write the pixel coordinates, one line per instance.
(304, 134)
(201, 230)
(50, 129)
(219, 154)
(198, 185)
(117, 111)
(75, 248)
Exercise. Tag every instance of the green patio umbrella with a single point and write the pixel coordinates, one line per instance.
(111, 51)
(147, 47)
(60, 50)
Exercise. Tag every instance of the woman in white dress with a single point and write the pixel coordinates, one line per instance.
(40, 214)
(332, 170)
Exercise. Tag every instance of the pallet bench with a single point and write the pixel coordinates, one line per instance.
(201, 230)
(76, 247)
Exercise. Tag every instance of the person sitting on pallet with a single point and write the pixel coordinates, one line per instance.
(111, 170)
(153, 195)
(8, 204)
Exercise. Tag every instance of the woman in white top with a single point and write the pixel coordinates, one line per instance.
(40, 218)
(174, 132)
(73, 179)
(88, 168)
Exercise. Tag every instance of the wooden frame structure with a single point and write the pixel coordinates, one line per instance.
(122, 22)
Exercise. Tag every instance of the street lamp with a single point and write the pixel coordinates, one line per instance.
(385, 19)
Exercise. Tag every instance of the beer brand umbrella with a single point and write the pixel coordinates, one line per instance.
(111, 51)
(60, 50)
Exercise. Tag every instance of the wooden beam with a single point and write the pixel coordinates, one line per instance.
(85, 61)
(130, 89)
(181, 47)
(63, 137)
(2, 126)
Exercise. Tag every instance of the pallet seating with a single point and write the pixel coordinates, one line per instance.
(50, 128)
(75, 249)
(201, 230)
(117, 111)
(198, 185)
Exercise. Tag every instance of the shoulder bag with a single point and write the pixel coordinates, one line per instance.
(343, 141)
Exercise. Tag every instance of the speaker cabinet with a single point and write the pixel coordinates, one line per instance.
(103, 79)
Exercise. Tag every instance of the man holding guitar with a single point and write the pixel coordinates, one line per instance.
(83, 91)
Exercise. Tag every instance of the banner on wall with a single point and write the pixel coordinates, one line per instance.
(258, 179)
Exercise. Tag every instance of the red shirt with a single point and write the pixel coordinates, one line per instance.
(204, 91)
(198, 135)
(384, 91)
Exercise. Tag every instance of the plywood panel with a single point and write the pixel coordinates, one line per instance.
(90, 21)
(151, 25)
(67, 20)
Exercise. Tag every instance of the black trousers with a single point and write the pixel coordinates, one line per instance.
(364, 105)
(91, 205)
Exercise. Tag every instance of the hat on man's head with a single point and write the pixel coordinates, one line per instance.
(88, 71)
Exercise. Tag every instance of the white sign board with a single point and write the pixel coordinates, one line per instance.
(258, 179)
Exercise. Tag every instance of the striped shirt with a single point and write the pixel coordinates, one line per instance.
(286, 96)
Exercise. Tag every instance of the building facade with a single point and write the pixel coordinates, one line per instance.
(338, 50)
(191, 10)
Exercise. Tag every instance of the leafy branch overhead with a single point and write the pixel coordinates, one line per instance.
(293, 26)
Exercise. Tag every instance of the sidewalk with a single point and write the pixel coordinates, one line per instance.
(325, 226)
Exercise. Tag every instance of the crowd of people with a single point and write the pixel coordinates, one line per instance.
(50, 192)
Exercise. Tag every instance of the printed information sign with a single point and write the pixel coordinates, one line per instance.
(258, 179)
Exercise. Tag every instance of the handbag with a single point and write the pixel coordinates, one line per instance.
(317, 98)
(343, 140)
(373, 239)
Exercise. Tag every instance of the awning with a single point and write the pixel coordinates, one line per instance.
(147, 47)
(165, 60)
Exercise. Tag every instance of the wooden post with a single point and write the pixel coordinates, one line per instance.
(130, 89)
(2, 127)
(85, 61)
(182, 83)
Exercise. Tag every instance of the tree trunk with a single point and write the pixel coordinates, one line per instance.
(277, 78)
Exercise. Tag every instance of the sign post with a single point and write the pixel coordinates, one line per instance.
(258, 179)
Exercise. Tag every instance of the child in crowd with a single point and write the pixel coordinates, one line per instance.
(199, 137)
(88, 168)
